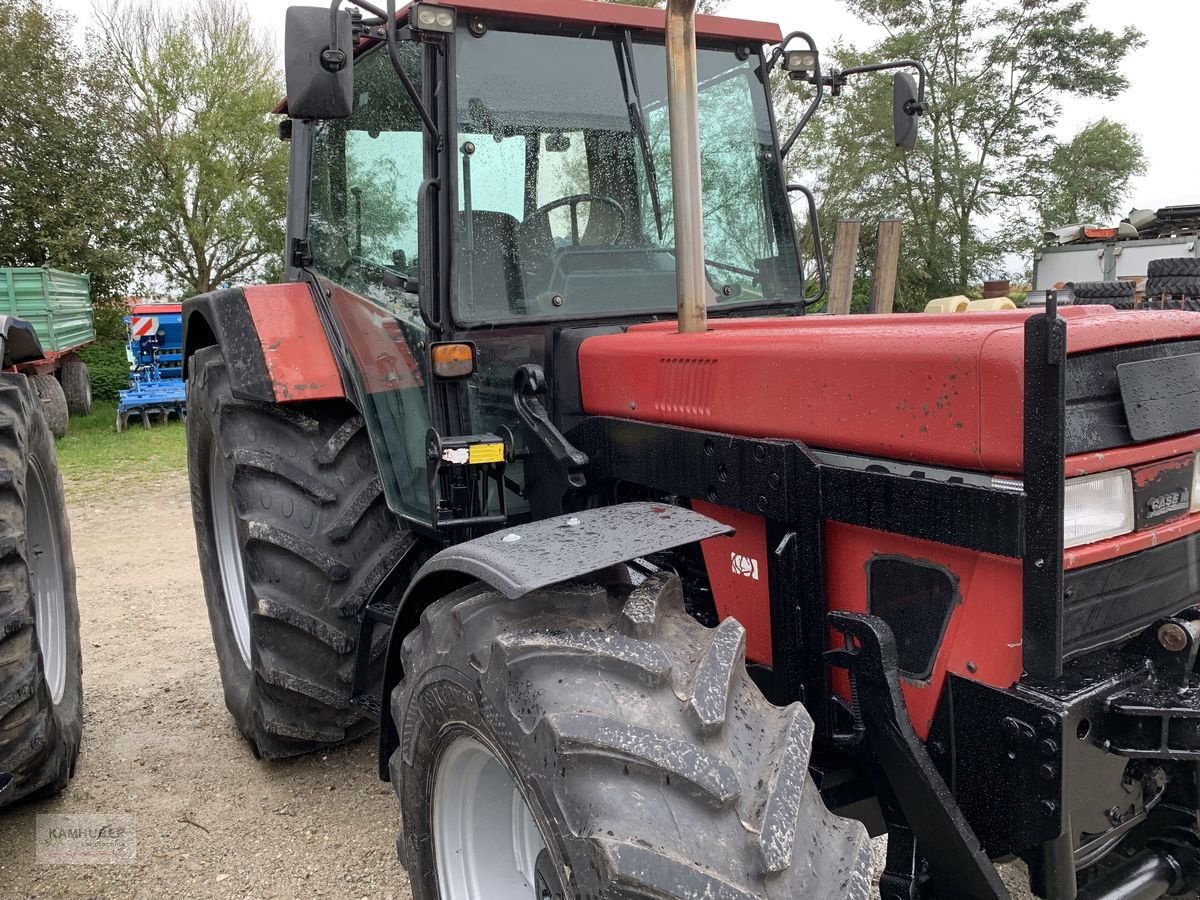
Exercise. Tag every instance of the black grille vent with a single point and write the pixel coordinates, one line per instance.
(1095, 413)
(916, 599)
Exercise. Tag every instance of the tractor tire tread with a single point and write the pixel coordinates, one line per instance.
(302, 585)
(1174, 267)
(593, 694)
(39, 739)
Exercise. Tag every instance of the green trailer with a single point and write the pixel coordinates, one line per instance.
(59, 307)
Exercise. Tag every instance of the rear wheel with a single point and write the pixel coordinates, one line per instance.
(293, 536)
(41, 709)
(54, 403)
(593, 742)
(77, 385)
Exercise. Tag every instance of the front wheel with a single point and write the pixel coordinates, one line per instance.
(586, 742)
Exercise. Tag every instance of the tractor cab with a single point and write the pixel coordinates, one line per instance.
(655, 585)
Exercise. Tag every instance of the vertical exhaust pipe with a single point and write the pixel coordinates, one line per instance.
(683, 99)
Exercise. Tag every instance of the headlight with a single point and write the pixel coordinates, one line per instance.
(1097, 507)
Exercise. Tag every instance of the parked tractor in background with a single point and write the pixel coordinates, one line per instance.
(155, 351)
(655, 585)
(41, 707)
(58, 305)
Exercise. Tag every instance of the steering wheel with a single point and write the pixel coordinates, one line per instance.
(573, 202)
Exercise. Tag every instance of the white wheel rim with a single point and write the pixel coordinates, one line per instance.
(485, 840)
(229, 550)
(46, 581)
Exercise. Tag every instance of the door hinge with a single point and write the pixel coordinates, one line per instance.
(301, 255)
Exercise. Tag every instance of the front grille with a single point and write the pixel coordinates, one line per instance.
(1112, 600)
(1095, 412)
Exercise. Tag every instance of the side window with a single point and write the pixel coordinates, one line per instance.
(362, 230)
(366, 173)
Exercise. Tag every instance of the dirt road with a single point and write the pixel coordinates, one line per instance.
(158, 745)
(209, 820)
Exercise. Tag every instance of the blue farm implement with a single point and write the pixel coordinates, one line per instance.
(156, 388)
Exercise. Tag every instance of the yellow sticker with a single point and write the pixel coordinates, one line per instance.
(486, 453)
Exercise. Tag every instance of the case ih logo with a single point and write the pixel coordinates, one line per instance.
(745, 565)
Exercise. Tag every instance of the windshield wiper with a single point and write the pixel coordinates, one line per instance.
(637, 119)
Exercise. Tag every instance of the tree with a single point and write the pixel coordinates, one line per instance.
(65, 192)
(210, 167)
(999, 73)
(1087, 178)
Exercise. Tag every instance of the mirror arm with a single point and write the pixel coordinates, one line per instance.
(817, 80)
(335, 61)
(409, 87)
(838, 78)
(818, 248)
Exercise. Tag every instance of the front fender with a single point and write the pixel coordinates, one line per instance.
(523, 558)
(273, 340)
(18, 342)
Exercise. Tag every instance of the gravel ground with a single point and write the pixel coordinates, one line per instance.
(209, 820)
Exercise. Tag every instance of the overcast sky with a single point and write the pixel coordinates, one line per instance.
(1160, 104)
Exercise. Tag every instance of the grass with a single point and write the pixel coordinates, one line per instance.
(94, 459)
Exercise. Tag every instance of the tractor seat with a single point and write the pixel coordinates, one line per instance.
(494, 270)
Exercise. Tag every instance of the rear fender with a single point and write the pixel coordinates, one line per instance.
(272, 338)
(18, 342)
(520, 559)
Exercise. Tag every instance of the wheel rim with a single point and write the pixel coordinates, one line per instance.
(485, 840)
(46, 580)
(229, 550)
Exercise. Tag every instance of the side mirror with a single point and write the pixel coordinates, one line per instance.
(320, 76)
(906, 107)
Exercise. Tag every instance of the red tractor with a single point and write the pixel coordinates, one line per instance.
(656, 586)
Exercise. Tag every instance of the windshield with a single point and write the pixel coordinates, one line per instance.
(565, 180)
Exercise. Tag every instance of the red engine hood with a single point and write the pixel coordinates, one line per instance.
(940, 390)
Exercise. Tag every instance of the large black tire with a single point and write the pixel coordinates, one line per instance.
(77, 385)
(313, 537)
(1174, 285)
(39, 732)
(1102, 292)
(1174, 267)
(652, 764)
(54, 403)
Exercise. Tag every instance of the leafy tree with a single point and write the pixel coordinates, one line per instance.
(208, 162)
(65, 188)
(1111, 155)
(988, 160)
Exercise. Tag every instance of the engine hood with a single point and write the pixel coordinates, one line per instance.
(939, 390)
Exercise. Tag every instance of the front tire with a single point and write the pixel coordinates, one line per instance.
(293, 535)
(616, 747)
(41, 691)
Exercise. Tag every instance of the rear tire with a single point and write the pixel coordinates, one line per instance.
(616, 747)
(54, 403)
(293, 536)
(77, 385)
(41, 704)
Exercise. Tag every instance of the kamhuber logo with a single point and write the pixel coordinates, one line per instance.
(88, 839)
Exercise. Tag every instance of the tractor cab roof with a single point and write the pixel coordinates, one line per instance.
(593, 13)
(618, 15)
